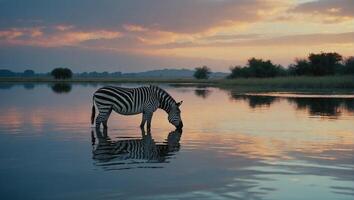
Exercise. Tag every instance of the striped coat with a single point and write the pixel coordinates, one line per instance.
(132, 101)
(113, 153)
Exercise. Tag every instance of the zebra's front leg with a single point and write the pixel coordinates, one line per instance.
(146, 118)
(104, 123)
(149, 118)
(143, 120)
(98, 121)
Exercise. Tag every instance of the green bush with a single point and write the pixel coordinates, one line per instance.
(257, 68)
(202, 72)
(324, 63)
(61, 73)
(349, 65)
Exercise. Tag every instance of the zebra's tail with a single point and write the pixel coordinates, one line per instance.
(93, 113)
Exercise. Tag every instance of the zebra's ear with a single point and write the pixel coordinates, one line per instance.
(179, 103)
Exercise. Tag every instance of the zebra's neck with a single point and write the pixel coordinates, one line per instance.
(165, 100)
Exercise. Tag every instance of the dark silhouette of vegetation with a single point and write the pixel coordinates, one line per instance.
(28, 86)
(202, 72)
(257, 68)
(324, 107)
(255, 101)
(28, 72)
(322, 64)
(204, 93)
(62, 73)
(349, 105)
(61, 88)
(99, 74)
(330, 107)
(6, 86)
(349, 65)
(301, 67)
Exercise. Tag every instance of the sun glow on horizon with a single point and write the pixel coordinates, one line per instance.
(228, 32)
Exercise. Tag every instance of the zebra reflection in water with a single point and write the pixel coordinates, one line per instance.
(133, 153)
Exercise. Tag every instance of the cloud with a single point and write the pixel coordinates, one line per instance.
(134, 28)
(183, 16)
(327, 11)
(47, 37)
(258, 40)
(63, 27)
(170, 31)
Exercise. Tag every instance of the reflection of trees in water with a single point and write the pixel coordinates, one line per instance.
(28, 86)
(61, 88)
(111, 154)
(349, 105)
(331, 107)
(6, 86)
(255, 101)
(203, 93)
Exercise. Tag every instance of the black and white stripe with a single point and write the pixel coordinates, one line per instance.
(131, 101)
(143, 149)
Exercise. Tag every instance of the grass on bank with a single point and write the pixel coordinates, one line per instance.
(290, 82)
(345, 82)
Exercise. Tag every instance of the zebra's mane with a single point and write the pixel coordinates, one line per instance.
(166, 100)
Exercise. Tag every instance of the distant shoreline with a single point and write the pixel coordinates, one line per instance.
(105, 80)
(278, 83)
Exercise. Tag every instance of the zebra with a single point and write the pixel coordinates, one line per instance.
(144, 149)
(132, 101)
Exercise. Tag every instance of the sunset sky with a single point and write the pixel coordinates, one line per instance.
(140, 35)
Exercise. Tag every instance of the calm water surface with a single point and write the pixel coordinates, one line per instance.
(232, 147)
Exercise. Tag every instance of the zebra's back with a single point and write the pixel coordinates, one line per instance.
(126, 101)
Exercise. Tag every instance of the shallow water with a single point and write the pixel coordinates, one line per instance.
(232, 146)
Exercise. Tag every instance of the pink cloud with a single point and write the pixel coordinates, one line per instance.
(64, 36)
(327, 11)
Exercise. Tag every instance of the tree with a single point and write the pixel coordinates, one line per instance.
(61, 73)
(324, 63)
(318, 65)
(301, 67)
(257, 68)
(202, 72)
(238, 72)
(28, 72)
(349, 65)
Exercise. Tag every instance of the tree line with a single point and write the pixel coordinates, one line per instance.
(322, 64)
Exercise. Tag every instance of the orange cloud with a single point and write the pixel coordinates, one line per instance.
(10, 34)
(134, 28)
(325, 11)
(65, 37)
(63, 27)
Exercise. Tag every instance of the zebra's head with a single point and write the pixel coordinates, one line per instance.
(174, 116)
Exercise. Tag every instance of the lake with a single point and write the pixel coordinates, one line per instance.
(233, 146)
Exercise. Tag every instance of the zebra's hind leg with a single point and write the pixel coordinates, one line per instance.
(102, 117)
